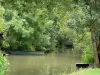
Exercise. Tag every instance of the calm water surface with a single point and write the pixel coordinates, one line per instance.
(43, 65)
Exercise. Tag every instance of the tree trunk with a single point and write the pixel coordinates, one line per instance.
(95, 49)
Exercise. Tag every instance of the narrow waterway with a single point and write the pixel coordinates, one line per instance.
(43, 65)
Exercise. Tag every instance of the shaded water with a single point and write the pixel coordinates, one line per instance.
(43, 65)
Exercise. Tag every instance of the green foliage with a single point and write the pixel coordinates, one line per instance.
(39, 28)
(19, 30)
(88, 55)
(1, 19)
(3, 65)
(5, 44)
(83, 43)
(49, 25)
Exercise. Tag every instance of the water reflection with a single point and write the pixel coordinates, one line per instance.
(42, 65)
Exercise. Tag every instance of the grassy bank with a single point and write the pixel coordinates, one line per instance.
(87, 72)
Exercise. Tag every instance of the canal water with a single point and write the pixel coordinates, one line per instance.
(53, 64)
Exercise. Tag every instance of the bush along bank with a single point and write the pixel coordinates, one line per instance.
(3, 65)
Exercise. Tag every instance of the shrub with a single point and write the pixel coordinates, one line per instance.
(3, 65)
(88, 56)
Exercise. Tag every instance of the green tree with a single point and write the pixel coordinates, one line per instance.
(90, 20)
(1, 19)
(3, 60)
(38, 27)
(2, 24)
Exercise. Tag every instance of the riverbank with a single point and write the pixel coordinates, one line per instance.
(23, 52)
(87, 72)
(26, 53)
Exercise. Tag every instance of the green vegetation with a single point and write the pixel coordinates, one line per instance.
(87, 72)
(41, 28)
(1, 19)
(3, 60)
(51, 25)
(3, 65)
